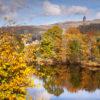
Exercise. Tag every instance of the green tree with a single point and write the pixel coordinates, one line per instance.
(51, 43)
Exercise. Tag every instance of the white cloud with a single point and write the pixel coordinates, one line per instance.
(98, 15)
(54, 9)
(51, 9)
(77, 10)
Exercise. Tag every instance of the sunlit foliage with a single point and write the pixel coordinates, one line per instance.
(51, 43)
(30, 53)
(13, 69)
(76, 48)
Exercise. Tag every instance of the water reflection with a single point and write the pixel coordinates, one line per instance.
(60, 82)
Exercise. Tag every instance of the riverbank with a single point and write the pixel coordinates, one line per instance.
(88, 64)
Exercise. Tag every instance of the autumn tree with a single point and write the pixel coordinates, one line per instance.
(30, 53)
(13, 69)
(51, 43)
(76, 46)
(96, 49)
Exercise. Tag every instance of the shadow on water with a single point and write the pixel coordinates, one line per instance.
(63, 82)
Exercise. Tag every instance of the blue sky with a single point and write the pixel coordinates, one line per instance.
(39, 12)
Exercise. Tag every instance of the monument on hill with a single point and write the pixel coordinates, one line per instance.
(84, 20)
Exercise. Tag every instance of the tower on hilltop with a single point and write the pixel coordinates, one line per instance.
(84, 19)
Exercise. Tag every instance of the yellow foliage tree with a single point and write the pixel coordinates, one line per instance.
(30, 53)
(13, 69)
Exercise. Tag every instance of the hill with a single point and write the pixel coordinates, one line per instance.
(91, 24)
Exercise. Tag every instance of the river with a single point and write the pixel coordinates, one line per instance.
(65, 83)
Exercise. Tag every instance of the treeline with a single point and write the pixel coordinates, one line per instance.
(72, 44)
(91, 28)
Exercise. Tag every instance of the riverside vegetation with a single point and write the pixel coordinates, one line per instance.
(18, 62)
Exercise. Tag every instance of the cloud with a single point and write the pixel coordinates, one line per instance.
(55, 10)
(51, 9)
(77, 10)
(98, 15)
(18, 4)
(9, 11)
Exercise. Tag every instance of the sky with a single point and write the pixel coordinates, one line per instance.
(41, 12)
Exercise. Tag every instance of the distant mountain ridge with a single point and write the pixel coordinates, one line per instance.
(42, 28)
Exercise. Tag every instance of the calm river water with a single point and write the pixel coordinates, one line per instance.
(65, 83)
